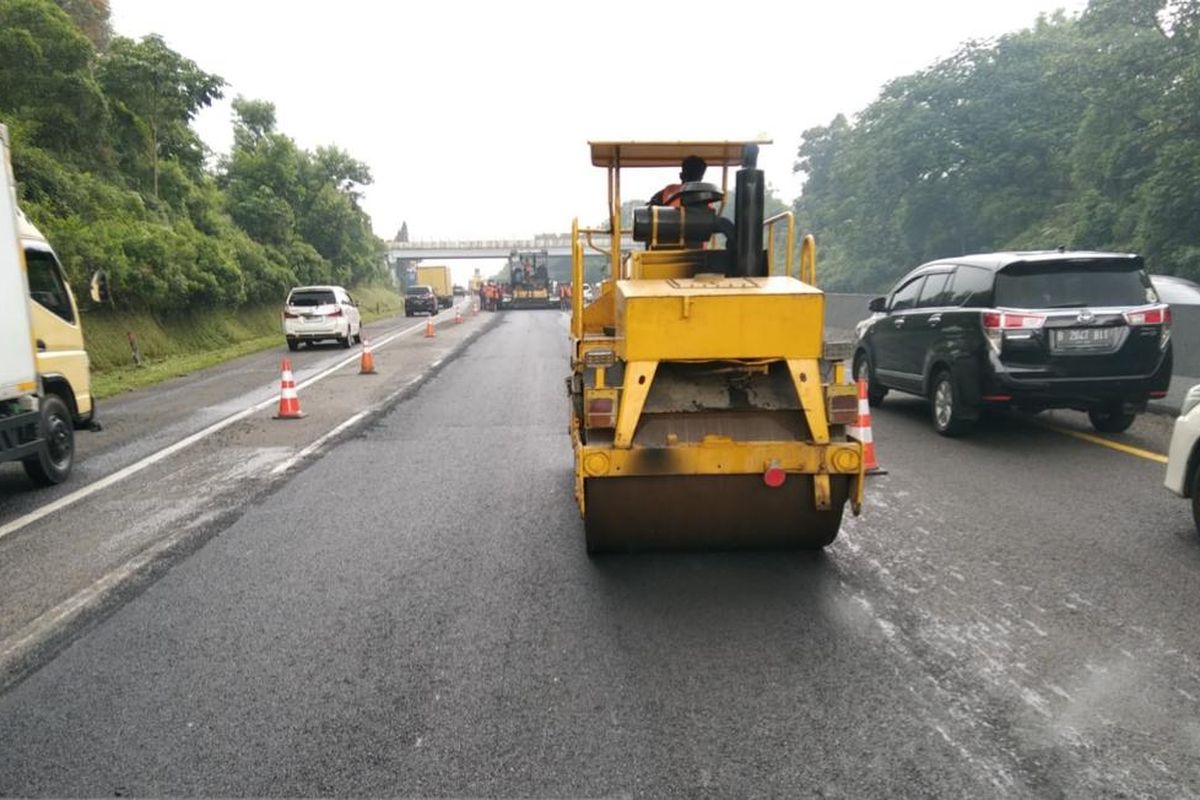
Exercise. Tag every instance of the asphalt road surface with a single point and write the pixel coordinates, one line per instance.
(413, 613)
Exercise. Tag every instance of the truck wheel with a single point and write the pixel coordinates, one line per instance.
(53, 464)
(947, 407)
(1110, 420)
(293, 345)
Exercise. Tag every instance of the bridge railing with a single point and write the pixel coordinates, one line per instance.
(540, 242)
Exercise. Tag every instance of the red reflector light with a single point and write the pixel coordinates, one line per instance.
(1158, 394)
(843, 409)
(774, 475)
(601, 412)
(601, 405)
(997, 398)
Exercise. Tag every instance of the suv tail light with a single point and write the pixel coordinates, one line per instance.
(337, 312)
(997, 323)
(1158, 315)
(290, 315)
(1154, 315)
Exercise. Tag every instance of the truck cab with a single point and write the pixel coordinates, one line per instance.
(62, 360)
(45, 386)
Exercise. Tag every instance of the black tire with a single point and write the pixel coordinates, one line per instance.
(293, 345)
(408, 313)
(1111, 420)
(347, 340)
(946, 407)
(358, 336)
(863, 368)
(53, 464)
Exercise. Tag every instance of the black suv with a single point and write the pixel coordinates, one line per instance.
(420, 299)
(1032, 330)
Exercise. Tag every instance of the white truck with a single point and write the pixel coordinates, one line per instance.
(45, 386)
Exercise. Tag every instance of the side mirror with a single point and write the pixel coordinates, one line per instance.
(99, 287)
(877, 304)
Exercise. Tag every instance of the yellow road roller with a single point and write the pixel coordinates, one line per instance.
(706, 409)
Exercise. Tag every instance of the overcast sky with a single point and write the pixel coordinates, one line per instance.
(474, 117)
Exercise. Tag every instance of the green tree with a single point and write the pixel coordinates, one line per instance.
(47, 91)
(1076, 131)
(92, 19)
(158, 93)
(281, 195)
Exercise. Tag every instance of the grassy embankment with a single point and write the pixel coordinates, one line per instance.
(184, 344)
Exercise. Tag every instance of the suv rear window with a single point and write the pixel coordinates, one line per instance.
(418, 291)
(1072, 284)
(316, 297)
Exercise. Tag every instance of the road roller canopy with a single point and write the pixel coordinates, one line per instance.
(668, 154)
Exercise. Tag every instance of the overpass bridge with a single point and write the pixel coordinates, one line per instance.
(553, 244)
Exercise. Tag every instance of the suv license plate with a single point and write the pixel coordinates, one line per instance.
(1084, 340)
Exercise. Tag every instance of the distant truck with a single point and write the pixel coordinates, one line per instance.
(438, 277)
(45, 385)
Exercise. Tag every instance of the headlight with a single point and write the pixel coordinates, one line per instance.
(1190, 400)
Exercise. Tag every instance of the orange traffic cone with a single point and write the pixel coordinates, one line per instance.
(289, 401)
(429, 328)
(367, 364)
(862, 431)
(458, 315)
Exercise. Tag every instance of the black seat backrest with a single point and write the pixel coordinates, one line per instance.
(698, 193)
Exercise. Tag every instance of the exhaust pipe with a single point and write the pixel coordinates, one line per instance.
(748, 217)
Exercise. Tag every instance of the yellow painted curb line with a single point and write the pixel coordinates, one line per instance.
(1109, 443)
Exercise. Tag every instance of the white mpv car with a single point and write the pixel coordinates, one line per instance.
(316, 313)
(1183, 462)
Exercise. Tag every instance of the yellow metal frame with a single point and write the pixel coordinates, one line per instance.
(769, 226)
(639, 375)
(808, 260)
(721, 456)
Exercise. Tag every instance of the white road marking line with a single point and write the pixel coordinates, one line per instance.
(152, 459)
(291, 461)
(37, 630)
(288, 463)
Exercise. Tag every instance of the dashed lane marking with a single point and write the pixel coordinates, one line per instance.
(288, 463)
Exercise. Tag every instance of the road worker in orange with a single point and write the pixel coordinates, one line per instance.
(692, 170)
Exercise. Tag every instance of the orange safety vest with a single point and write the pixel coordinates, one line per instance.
(670, 195)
